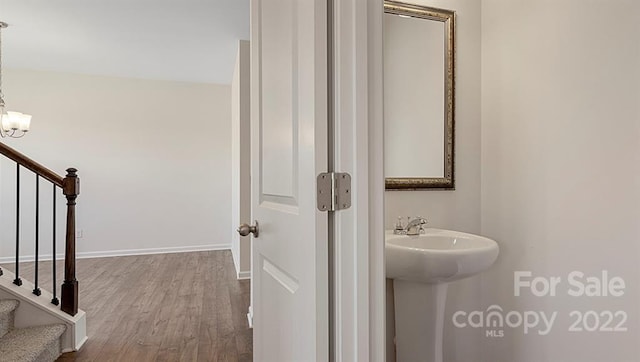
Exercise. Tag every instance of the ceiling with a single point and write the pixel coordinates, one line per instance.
(179, 40)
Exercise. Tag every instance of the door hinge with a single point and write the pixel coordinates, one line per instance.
(334, 191)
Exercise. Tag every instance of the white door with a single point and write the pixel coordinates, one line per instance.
(289, 149)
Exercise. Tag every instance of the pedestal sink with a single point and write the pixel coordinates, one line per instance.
(421, 267)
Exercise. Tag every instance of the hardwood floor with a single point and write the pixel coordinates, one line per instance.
(166, 307)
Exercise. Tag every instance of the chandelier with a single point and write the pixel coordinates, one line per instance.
(12, 124)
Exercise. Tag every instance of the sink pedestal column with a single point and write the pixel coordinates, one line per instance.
(419, 312)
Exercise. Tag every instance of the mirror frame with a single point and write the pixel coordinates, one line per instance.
(448, 17)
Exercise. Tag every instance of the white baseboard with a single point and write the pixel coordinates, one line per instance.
(171, 250)
(28, 258)
(240, 275)
(126, 252)
(244, 275)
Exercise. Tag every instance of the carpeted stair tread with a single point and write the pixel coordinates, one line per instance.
(32, 344)
(7, 315)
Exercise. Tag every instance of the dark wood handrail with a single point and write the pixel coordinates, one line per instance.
(32, 165)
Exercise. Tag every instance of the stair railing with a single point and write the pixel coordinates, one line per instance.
(70, 186)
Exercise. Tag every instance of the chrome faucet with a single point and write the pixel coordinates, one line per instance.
(414, 227)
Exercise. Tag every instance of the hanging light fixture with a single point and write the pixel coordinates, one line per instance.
(12, 124)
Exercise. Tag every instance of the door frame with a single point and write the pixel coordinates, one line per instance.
(358, 234)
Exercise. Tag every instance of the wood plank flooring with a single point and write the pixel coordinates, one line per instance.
(166, 307)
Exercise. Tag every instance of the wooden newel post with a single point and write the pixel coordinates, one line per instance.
(69, 295)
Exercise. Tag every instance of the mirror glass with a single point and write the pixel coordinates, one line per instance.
(418, 96)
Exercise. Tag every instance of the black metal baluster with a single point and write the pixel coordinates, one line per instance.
(55, 300)
(17, 280)
(36, 290)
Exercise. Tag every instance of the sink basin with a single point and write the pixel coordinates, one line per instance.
(437, 256)
(421, 267)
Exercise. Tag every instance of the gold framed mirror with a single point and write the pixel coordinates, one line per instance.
(419, 97)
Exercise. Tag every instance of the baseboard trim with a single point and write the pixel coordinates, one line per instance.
(79, 344)
(126, 252)
(240, 275)
(243, 275)
(171, 250)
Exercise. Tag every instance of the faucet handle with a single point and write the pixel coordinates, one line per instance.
(399, 225)
(399, 228)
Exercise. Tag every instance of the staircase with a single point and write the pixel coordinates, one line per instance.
(36, 325)
(32, 344)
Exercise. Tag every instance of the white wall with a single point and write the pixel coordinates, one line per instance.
(154, 158)
(241, 159)
(561, 166)
(458, 209)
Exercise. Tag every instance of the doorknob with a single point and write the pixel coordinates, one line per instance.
(245, 229)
